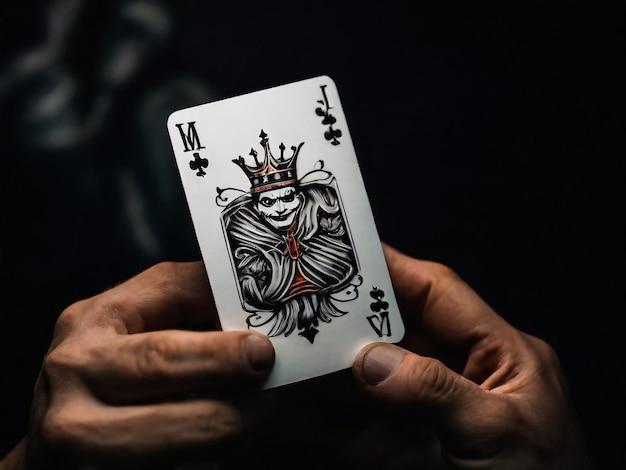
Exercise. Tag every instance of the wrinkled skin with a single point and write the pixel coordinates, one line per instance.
(505, 408)
(125, 386)
(128, 383)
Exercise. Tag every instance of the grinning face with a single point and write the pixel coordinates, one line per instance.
(278, 207)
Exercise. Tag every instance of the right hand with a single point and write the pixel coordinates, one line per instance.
(125, 384)
(494, 396)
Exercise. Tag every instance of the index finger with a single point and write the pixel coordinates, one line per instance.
(166, 296)
(433, 297)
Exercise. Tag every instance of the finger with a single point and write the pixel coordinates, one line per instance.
(399, 377)
(471, 422)
(149, 436)
(166, 296)
(446, 308)
(163, 364)
(169, 295)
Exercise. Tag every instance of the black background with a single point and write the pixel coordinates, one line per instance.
(490, 136)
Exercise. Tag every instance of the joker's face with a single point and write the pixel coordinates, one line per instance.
(278, 207)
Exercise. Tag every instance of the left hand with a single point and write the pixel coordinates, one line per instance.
(126, 384)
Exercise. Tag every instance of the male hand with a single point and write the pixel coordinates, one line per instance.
(125, 384)
(507, 406)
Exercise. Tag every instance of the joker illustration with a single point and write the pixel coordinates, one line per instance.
(290, 245)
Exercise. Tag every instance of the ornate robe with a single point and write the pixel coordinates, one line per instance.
(287, 277)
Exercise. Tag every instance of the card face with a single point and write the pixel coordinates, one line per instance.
(285, 227)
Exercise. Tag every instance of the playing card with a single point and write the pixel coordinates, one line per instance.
(284, 225)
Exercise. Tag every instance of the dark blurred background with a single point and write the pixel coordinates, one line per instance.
(490, 135)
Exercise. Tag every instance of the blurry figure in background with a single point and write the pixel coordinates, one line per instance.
(88, 186)
(87, 104)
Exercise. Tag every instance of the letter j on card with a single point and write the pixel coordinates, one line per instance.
(285, 227)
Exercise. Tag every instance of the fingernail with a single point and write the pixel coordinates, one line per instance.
(379, 362)
(260, 352)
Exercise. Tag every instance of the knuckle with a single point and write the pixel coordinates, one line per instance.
(164, 267)
(58, 430)
(65, 428)
(161, 273)
(435, 378)
(64, 359)
(69, 318)
(97, 311)
(443, 272)
(158, 357)
(438, 378)
(548, 368)
(217, 423)
(546, 358)
(546, 352)
(159, 280)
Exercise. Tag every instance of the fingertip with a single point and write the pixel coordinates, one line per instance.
(259, 351)
(377, 361)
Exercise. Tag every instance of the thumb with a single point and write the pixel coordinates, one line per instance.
(400, 377)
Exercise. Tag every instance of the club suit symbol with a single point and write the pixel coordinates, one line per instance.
(380, 320)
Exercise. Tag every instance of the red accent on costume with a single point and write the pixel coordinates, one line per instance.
(293, 247)
(300, 284)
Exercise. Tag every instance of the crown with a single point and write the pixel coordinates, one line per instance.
(270, 173)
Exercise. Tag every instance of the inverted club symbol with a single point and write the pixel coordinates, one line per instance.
(379, 304)
(379, 321)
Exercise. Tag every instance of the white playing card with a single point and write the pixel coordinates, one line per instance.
(285, 227)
